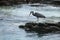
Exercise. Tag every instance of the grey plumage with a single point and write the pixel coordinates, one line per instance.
(38, 15)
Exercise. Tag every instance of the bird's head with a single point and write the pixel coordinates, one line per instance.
(31, 13)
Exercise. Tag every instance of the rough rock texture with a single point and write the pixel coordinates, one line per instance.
(41, 27)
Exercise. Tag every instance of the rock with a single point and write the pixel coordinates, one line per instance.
(41, 28)
(56, 2)
(21, 26)
(34, 5)
(58, 24)
(15, 2)
(5, 3)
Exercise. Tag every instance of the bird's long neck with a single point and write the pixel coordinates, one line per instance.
(33, 13)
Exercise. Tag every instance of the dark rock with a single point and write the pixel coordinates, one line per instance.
(56, 2)
(15, 2)
(41, 28)
(58, 24)
(51, 24)
(21, 26)
(41, 24)
(34, 5)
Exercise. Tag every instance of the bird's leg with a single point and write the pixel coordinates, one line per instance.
(37, 19)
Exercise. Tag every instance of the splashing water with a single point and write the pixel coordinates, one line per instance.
(15, 16)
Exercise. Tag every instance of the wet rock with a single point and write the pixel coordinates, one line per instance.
(41, 27)
(58, 24)
(21, 26)
(56, 2)
(9, 2)
(34, 5)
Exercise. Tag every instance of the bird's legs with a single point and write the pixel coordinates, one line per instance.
(37, 19)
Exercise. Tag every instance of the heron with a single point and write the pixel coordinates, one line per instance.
(37, 15)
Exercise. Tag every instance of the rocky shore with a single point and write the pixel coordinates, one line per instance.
(41, 28)
(15, 2)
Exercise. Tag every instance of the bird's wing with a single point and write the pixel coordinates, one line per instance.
(38, 14)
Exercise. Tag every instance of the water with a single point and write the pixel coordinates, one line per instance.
(12, 17)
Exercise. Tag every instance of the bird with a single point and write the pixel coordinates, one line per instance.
(37, 15)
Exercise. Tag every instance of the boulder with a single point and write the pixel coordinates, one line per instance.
(41, 27)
